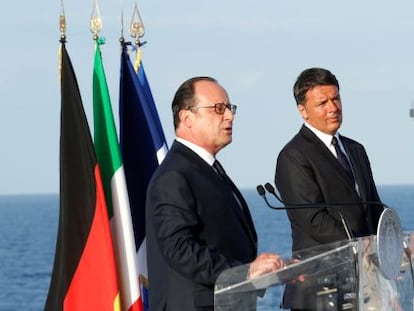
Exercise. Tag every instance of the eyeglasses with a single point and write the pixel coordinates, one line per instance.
(219, 108)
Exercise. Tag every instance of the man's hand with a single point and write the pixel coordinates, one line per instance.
(265, 263)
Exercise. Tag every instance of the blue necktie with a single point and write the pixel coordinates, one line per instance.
(342, 158)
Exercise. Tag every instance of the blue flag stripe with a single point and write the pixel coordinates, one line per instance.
(141, 137)
(158, 133)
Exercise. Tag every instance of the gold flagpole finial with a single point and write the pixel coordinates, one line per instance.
(62, 23)
(95, 21)
(136, 27)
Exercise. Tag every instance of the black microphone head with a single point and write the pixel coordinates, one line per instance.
(270, 188)
(260, 190)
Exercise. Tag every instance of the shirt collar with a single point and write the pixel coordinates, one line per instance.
(201, 152)
(325, 138)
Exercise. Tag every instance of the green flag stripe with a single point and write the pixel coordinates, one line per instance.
(105, 136)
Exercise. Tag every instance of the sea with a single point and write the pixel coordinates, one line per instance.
(28, 229)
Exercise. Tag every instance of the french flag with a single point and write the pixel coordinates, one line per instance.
(143, 147)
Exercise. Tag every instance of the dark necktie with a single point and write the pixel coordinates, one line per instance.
(220, 170)
(342, 158)
(239, 199)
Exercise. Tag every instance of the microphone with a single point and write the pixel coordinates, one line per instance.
(271, 190)
(262, 192)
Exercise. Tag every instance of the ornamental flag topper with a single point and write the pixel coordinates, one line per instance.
(95, 21)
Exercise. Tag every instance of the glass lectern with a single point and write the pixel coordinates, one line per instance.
(369, 273)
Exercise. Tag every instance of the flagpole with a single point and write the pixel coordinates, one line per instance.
(62, 28)
(121, 4)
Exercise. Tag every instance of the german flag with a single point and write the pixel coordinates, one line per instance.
(84, 272)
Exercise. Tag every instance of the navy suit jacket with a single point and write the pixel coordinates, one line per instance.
(195, 229)
(308, 172)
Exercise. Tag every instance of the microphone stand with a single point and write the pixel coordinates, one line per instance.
(262, 192)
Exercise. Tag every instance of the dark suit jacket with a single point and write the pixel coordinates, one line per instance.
(195, 229)
(307, 172)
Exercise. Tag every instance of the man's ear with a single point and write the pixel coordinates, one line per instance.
(302, 111)
(186, 117)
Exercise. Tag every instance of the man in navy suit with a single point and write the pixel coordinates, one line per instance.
(309, 171)
(197, 222)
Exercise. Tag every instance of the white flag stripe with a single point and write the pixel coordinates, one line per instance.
(121, 225)
(161, 153)
(141, 259)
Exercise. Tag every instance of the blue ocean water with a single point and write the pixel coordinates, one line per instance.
(28, 226)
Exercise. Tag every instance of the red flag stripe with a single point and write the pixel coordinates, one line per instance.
(93, 286)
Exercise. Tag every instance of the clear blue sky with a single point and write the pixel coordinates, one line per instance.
(255, 49)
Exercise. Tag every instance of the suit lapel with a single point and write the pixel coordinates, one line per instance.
(360, 172)
(242, 214)
(327, 157)
(358, 169)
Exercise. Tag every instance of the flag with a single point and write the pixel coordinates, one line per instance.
(84, 271)
(143, 147)
(113, 177)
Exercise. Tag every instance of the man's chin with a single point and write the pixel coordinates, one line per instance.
(227, 142)
(334, 127)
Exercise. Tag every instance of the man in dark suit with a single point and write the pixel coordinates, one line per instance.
(197, 222)
(312, 170)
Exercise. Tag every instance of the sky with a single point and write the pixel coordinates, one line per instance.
(255, 49)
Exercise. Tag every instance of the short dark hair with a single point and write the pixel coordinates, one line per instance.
(310, 78)
(184, 97)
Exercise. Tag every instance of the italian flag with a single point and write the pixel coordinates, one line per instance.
(113, 177)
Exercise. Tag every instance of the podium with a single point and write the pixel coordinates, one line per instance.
(363, 274)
